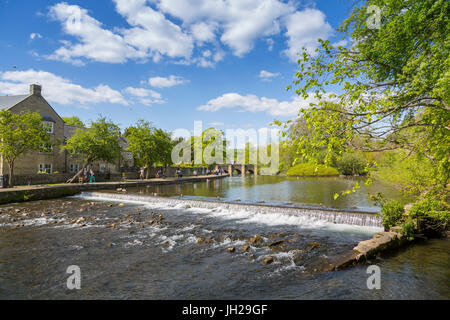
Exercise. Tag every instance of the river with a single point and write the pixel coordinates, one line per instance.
(190, 241)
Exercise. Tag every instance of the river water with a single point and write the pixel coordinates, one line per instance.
(153, 243)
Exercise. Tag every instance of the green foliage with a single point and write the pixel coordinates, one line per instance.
(100, 142)
(74, 121)
(430, 216)
(308, 169)
(351, 164)
(392, 85)
(19, 134)
(206, 142)
(414, 174)
(408, 229)
(392, 214)
(148, 144)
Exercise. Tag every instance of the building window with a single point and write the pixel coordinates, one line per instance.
(102, 168)
(46, 148)
(129, 156)
(48, 126)
(45, 168)
(74, 168)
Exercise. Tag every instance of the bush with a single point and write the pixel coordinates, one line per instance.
(392, 214)
(431, 216)
(409, 228)
(308, 169)
(351, 164)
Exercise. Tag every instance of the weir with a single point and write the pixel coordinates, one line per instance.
(327, 214)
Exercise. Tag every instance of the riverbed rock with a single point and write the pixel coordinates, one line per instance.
(256, 239)
(231, 250)
(268, 260)
(276, 243)
(313, 245)
(200, 240)
(121, 205)
(79, 220)
(245, 248)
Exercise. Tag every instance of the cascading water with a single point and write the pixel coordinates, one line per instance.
(328, 215)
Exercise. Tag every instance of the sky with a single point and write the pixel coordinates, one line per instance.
(171, 62)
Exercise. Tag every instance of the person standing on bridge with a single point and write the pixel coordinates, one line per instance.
(92, 174)
(85, 175)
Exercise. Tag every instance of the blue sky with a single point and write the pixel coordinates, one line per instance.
(171, 62)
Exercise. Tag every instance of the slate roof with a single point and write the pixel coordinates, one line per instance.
(7, 102)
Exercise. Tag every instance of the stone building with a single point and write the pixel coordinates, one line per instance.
(50, 159)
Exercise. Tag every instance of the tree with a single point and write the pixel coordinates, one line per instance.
(74, 121)
(164, 145)
(388, 87)
(19, 134)
(208, 141)
(149, 145)
(99, 142)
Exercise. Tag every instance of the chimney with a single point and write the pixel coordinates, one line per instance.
(35, 89)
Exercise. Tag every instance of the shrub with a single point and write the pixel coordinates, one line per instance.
(392, 214)
(409, 228)
(308, 169)
(431, 216)
(351, 164)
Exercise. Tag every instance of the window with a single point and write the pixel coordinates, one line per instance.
(48, 126)
(45, 167)
(46, 148)
(102, 168)
(74, 168)
(129, 156)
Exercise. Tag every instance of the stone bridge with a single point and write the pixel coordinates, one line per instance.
(241, 169)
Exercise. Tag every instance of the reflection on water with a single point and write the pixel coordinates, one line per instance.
(285, 190)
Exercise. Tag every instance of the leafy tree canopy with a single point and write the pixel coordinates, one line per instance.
(19, 134)
(148, 144)
(100, 142)
(388, 87)
(74, 121)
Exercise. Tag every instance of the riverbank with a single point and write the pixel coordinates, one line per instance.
(32, 193)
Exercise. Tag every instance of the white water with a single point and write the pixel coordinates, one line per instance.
(253, 214)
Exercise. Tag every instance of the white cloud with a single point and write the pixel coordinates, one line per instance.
(145, 96)
(35, 35)
(267, 76)
(175, 29)
(160, 82)
(241, 22)
(203, 32)
(57, 89)
(270, 42)
(253, 103)
(303, 29)
(95, 42)
(152, 32)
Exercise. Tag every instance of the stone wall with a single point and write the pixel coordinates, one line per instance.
(35, 179)
(29, 163)
(57, 191)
